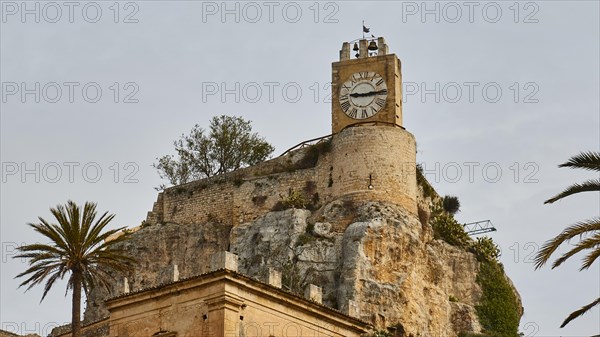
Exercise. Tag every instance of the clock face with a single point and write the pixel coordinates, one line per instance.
(363, 95)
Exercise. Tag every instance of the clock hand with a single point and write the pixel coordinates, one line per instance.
(361, 95)
(371, 93)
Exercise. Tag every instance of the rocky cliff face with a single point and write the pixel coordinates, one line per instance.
(384, 260)
(158, 249)
(370, 256)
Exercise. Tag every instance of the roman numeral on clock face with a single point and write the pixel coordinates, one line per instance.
(345, 105)
(380, 82)
(362, 76)
(353, 113)
(380, 102)
(364, 113)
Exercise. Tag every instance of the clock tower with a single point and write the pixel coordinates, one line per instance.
(372, 156)
(367, 88)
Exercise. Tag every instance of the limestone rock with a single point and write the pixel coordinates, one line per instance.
(323, 229)
(372, 259)
(385, 260)
(157, 249)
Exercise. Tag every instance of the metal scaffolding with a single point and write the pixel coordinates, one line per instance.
(479, 227)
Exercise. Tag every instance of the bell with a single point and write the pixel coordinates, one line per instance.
(355, 46)
(356, 55)
(372, 45)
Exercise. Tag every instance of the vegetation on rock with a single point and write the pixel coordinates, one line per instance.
(498, 310)
(445, 227)
(428, 190)
(485, 249)
(451, 204)
(296, 199)
(313, 153)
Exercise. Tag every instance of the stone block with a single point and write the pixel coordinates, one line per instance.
(274, 277)
(175, 273)
(353, 310)
(314, 293)
(224, 260)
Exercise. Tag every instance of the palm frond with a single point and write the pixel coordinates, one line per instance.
(87, 219)
(104, 243)
(101, 277)
(40, 259)
(579, 312)
(59, 274)
(591, 185)
(568, 233)
(39, 273)
(40, 247)
(95, 237)
(590, 258)
(589, 243)
(52, 232)
(589, 160)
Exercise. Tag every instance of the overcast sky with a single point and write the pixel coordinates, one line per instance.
(497, 95)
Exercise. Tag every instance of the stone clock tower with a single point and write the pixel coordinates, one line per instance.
(373, 157)
(367, 88)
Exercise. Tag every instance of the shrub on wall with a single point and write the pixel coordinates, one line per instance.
(485, 249)
(296, 199)
(445, 227)
(312, 155)
(451, 204)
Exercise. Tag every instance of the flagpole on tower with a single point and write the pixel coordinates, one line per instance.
(365, 29)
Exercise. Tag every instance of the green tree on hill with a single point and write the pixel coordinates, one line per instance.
(229, 145)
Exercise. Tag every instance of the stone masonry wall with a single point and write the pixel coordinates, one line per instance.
(380, 156)
(235, 197)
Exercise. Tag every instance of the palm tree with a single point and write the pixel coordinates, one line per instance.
(78, 247)
(588, 231)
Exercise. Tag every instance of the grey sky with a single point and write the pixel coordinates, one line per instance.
(177, 53)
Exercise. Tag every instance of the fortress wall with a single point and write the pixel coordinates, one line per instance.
(258, 196)
(386, 153)
(238, 196)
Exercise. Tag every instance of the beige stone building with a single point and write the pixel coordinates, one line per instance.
(226, 303)
(223, 302)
